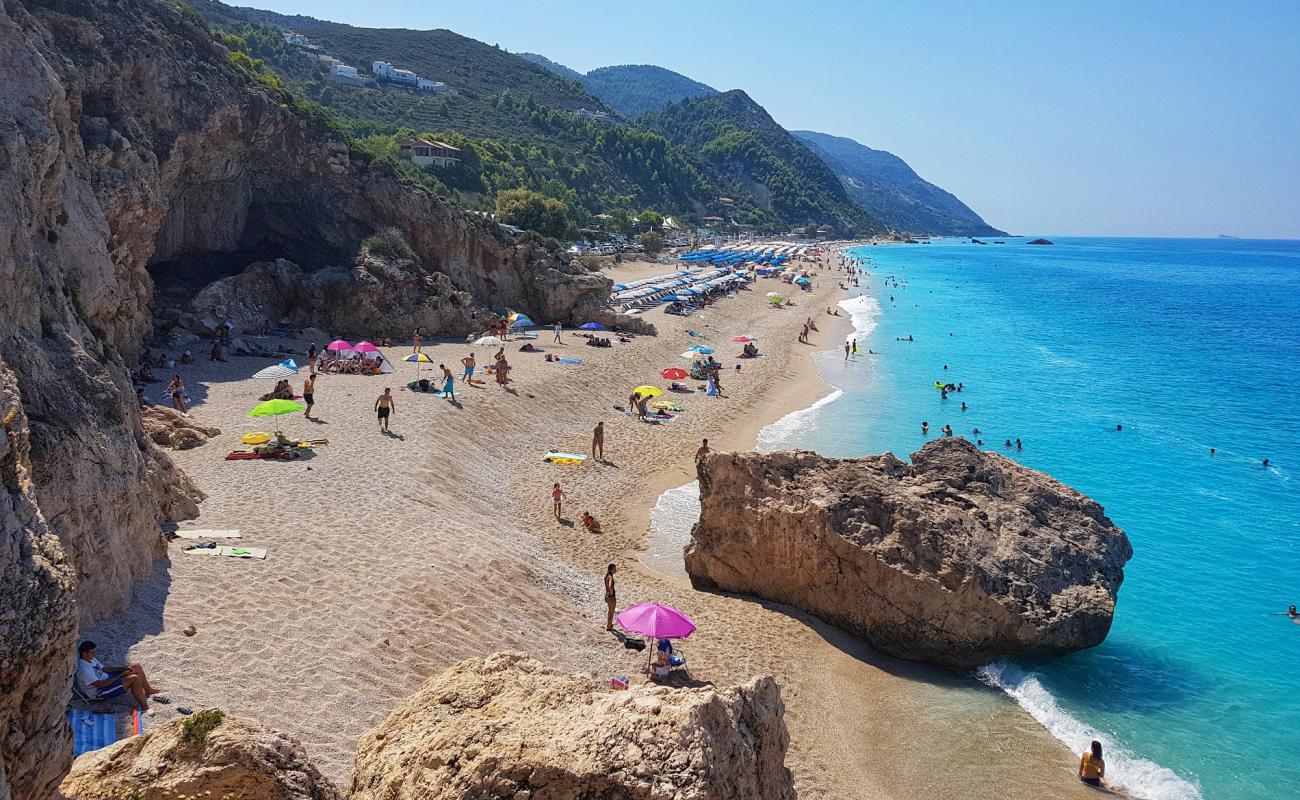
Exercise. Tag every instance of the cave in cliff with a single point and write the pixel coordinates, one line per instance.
(219, 230)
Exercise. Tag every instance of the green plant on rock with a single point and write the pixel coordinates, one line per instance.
(197, 726)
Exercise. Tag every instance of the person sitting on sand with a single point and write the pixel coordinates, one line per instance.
(590, 523)
(99, 682)
(1092, 768)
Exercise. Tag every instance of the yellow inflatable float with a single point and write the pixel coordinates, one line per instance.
(256, 437)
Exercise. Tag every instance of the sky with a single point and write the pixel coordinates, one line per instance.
(1098, 118)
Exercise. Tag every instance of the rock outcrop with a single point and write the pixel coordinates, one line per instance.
(38, 624)
(1039, 241)
(958, 558)
(135, 154)
(168, 428)
(505, 727)
(205, 755)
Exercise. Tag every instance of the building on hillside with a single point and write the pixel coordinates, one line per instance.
(726, 201)
(431, 86)
(386, 71)
(327, 60)
(295, 39)
(342, 73)
(423, 152)
(712, 222)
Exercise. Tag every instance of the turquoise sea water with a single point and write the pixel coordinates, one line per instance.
(1189, 344)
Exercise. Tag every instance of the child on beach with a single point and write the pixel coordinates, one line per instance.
(557, 499)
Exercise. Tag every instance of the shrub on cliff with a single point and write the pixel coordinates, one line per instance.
(533, 211)
(389, 243)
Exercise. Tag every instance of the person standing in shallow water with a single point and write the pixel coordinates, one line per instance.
(1092, 768)
(611, 597)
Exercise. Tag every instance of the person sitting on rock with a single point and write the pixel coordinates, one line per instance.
(99, 682)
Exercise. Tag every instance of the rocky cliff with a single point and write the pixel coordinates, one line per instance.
(506, 727)
(957, 558)
(132, 151)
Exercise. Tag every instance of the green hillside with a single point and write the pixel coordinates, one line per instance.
(759, 164)
(885, 185)
(547, 64)
(632, 90)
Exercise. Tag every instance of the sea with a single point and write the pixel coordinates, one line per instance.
(1189, 345)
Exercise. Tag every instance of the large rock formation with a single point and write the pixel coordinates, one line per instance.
(208, 754)
(167, 427)
(38, 625)
(132, 149)
(505, 727)
(957, 558)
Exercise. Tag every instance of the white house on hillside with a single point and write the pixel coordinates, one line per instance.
(383, 69)
(429, 85)
(424, 152)
(344, 74)
(295, 39)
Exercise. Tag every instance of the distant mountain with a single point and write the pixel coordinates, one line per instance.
(886, 186)
(745, 153)
(547, 64)
(632, 90)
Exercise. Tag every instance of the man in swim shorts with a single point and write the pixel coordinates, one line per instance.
(309, 393)
(99, 682)
(469, 363)
(384, 407)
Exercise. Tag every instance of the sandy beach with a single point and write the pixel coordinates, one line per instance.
(391, 557)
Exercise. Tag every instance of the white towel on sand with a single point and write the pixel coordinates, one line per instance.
(248, 552)
(206, 534)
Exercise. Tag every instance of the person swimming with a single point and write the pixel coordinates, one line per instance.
(1266, 463)
(1018, 445)
(1292, 613)
(925, 427)
(1007, 443)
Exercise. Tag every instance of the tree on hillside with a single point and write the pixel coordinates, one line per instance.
(533, 211)
(652, 241)
(651, 220)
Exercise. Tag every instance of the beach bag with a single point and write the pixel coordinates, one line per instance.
(634, 644)
(618, 682)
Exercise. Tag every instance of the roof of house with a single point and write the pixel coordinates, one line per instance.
(405, 143)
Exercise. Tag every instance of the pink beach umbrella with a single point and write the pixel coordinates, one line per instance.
(365, 347)
(337, 345)
(657, 621)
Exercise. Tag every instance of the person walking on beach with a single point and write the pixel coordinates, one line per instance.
(557, 500)
(1092, 768)
(558, 330)
(503, 371)
(309, 393)
(469, 363)
(415, 341)
(598, 441)
(384, 408)
(177, 388)
(846, 349)
(448, 383)
(611, 596)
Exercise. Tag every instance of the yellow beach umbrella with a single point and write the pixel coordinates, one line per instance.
(648, 391)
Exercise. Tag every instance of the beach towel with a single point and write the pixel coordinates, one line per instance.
(567, 360)
(559, 457)
(230, 552)
(206, 534)
(91, 731)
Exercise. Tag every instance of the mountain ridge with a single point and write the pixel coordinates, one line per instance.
(890, 189)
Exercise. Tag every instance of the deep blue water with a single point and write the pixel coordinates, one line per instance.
(1189, 344)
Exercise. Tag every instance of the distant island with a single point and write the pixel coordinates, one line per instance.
(1226, 236)
(1039, 241)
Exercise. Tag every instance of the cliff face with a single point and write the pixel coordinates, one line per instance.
(505, 727)
(958, 558)
(130, 148)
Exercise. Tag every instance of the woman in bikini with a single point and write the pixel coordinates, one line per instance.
(610, 596)
(177, 389)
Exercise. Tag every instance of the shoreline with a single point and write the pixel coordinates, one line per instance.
(392, 557)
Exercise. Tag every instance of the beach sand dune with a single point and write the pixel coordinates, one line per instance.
(391, 557)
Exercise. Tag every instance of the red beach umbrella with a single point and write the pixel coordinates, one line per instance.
(674, 374)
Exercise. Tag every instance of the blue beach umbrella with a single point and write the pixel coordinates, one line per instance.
(701, 349)
(592, 326)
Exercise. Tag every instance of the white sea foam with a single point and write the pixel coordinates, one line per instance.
(671, 520)
(862, 311)
(1137, 776)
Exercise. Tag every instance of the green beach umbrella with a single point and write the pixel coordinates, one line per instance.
(272, 408)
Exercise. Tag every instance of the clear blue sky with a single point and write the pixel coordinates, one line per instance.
(1098, 118)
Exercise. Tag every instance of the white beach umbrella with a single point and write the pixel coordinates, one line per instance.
(488, 341)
